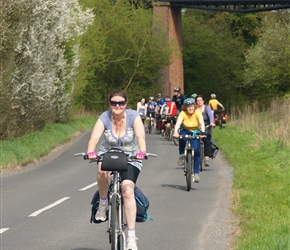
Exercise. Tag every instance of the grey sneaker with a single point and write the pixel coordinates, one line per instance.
(206, 161)
(132, 243)
(196, 178)
(102, 212)
(180, 161)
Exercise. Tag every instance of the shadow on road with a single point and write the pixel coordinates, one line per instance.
(183, 188)
(81, 248)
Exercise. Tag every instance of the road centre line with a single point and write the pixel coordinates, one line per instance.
(89, 186)
(48, 207)
(2, 230)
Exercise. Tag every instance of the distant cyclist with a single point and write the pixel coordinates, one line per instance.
(178, 98)
(160, 103)
(191, 119)
(142, 109)
(208, 120)
(214, 103)
(170, 114)
(151, 110)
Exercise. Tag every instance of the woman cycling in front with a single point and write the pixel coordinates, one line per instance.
(191, 119)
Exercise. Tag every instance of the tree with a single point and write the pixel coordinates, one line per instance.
(120, 51)
(267, 72)
(213, 56)
(40, 83)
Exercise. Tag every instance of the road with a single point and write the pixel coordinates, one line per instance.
(47, 205)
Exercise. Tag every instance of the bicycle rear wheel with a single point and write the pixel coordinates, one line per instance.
(188, 162)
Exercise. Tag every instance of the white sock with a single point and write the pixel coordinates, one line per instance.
(104, 201)
(131, 232)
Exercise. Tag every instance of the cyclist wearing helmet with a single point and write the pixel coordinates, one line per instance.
(194, 95)
(178, 98)
(214, 103)
(191, 119)
(161, 120)
(208, 120)
(151, 110)
(160, 102)
(170, 114)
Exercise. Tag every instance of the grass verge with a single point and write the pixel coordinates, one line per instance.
(21, 151)
(261, 187)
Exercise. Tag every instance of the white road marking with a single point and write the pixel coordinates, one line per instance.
(89, 186)
(2, 230)
(48, 207)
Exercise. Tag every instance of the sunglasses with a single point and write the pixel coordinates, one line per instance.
(114, 104)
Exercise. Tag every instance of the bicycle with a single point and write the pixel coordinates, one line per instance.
(115, 217)
(188, 156)
(171, 131)
(220, 118)
(150, 123)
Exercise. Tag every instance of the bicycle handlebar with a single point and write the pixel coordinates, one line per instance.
(130, 157)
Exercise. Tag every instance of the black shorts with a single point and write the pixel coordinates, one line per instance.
(152, 114)
(131, 174)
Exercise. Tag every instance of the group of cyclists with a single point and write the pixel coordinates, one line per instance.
(121, 127)
(188, 115)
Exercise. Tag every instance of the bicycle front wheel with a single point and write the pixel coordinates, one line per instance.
(201, 157)
(114, 224)
(150, 126)
(188, 162)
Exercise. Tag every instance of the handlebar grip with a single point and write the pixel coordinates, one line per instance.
(80, 154)
(150, 154)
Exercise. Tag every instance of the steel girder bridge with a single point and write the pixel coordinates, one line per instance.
(241, 6)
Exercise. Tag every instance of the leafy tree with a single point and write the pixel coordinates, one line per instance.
(267, 72)
(121, 50)
(37, 78)
(213, 57)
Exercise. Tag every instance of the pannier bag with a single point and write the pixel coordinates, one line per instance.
(225, 118)
(114, 160)
(214, 148)
(142, 204)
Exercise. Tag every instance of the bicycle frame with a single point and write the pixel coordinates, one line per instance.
(188, 167)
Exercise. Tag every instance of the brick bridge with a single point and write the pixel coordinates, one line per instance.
(170, 13)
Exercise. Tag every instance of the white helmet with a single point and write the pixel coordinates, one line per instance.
(213, 96)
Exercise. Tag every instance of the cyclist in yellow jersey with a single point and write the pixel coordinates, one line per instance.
(191, 119)
(214, 103)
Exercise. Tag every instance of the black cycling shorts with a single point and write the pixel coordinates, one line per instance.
(131, 174)
(152, 114)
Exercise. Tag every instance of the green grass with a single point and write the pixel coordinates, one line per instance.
(261, 188)
(24, 150)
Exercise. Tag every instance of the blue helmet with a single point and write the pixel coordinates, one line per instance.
(188, 101)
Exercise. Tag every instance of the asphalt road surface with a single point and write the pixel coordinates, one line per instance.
(47, 205)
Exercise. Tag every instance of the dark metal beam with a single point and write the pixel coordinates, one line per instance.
(242, 6)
